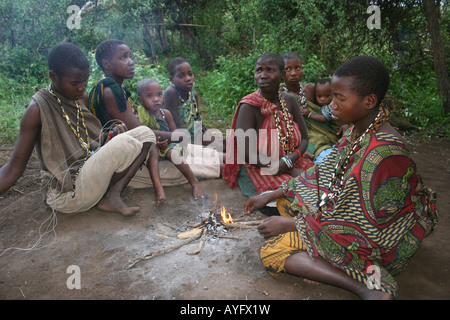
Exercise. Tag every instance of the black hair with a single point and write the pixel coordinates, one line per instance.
(142, 84)
(323, 81)
(370, 76)
(64, 56)
(174, 63)
(272, 57)
(106, 50)
(320, 81)
(291, 55)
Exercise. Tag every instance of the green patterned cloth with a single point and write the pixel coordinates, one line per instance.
(379, 218)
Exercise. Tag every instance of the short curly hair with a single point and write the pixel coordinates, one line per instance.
(172, 65)
(106, 50)
(272, 57)
(64, 56)
(369, 74)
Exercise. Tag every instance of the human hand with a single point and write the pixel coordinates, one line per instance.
(276, 225)
(162, 144)
(255, 203)
(305, 112)
(342, 129)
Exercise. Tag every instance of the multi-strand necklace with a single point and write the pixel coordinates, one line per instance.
(301, 98)
(337, 180)
(286, 140)
(85, 145)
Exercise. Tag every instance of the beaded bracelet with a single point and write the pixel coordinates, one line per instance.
(287, 161)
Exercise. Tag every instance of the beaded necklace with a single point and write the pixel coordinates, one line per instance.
(336, 183)
(84, 145)
(286, 140)
(301, 99)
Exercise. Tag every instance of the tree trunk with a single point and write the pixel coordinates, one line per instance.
(440, 65)
(149, 36)
(163, 32)
(191, 34)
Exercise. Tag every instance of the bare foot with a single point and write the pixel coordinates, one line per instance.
(160, 198)
(117, 205)
(372, 294)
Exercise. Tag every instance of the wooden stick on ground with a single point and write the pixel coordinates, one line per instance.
(239, 225)
(163, 251)
(202, 243)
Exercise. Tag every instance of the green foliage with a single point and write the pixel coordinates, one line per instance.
(222, 40)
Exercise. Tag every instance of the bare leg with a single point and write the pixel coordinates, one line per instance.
(112, 201)
(153, 168)
(184, 168)
(300, 264)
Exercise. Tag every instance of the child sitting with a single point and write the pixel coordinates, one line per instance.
(182, 101)
(110, 101)
(151, 114)
(79, 170)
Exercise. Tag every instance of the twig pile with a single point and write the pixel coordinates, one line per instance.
(211, 223)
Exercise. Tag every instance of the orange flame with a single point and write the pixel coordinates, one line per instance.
(226, 216)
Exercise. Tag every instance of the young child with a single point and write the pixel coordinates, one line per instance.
(151, 114)
(110, 101)
(322, 135)
(362, 213)
(70, 143)
(182, 101)
(322, 98)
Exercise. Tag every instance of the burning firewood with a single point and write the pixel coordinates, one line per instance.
(213, 222)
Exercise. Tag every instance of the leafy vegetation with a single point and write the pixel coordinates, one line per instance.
(222, 40)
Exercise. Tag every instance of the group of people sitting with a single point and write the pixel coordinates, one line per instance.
(350, 211)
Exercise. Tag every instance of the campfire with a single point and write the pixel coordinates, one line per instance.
(217, 223)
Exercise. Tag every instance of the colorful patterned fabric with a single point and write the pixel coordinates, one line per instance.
(156, 123)
(188, 114)
(380, 217)
(152, 121)
(262, 182)
(97, 103)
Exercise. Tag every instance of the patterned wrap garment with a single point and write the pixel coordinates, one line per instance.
(380, 216)
(262, 182)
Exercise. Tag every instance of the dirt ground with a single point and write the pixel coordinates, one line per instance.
(102, 245)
